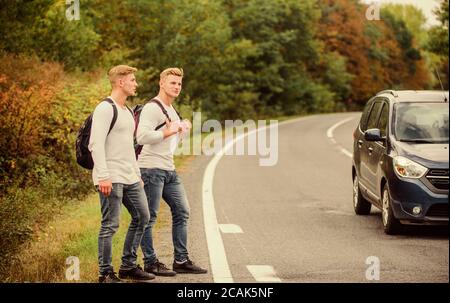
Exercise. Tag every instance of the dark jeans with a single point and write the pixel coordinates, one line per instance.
(133, 197)
(167, 185)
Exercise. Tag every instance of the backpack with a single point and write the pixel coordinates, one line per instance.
(137, 114)
(84, 157)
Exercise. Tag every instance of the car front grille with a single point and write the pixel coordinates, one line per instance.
(438, 210)
(438, 178)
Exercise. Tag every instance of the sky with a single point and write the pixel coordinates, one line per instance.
(427, 6)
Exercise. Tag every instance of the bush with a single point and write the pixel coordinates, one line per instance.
(27, 89)
(41, 110)
(23, 210)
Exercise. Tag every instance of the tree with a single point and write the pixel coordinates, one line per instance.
(283, 69)
(438, 41)
(413, 19)
(412, 72)
(41, 28)
(378, 54)
(342, 29)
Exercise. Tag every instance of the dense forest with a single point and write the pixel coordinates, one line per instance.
(243, 59)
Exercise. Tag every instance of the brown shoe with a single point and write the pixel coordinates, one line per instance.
(159, 269)
(109, 278)
(136, 274)
(188, 267)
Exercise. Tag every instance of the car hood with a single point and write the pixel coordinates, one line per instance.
(429, 155)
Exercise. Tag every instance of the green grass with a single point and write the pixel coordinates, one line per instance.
(73, 233)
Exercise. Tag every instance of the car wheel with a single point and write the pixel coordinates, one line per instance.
(361, 205)
(390, 224)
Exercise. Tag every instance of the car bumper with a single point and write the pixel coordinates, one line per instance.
(409, 193)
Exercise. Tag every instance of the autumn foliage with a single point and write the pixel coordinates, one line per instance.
(27, 90)
(381, 54)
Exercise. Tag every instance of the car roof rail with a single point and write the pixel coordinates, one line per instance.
(388, 91)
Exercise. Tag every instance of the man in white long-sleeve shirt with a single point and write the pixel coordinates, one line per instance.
(159, 175)
(117, 177)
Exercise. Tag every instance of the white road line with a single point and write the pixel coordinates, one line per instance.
(331, 129)
(263, 273)
(230, 229)
(330, 136)
(217, 256)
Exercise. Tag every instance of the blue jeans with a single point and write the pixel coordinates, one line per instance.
(165, 184)
(133, 197)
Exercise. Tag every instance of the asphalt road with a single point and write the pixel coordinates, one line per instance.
(297, 218)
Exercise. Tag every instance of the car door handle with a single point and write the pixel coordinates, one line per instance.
(360, 143)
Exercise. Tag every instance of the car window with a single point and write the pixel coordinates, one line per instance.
(422, 122)
(365, 115)
(373, 117)
(384, 117)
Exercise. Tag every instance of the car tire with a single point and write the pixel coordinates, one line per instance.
(360, 205)
(391, 224)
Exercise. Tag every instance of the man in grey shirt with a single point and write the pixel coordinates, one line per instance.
(159, 175)
(117, 177)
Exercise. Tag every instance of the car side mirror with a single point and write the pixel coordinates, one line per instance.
(373, 134)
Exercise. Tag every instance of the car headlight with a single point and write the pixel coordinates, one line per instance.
(407, 168)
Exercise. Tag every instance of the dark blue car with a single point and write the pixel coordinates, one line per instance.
(401, 158)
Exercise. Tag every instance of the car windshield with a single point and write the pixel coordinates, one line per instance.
(421, 122)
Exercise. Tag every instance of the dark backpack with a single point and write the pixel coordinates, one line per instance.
(137, 114)
(84, 157)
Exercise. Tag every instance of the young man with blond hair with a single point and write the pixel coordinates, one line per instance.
(159, 175)
(117, 177)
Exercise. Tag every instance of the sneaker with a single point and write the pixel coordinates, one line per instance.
(188, 267)
(136, 274)
(159, 269)
(109, 278)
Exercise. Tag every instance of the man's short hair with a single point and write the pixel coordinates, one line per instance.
(175, 71)
(120, 71)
